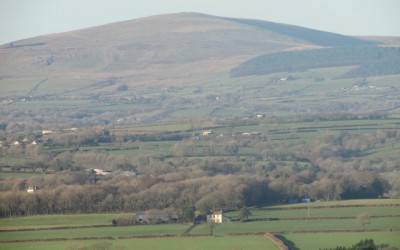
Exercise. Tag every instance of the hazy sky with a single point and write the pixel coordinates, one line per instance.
(27, 18)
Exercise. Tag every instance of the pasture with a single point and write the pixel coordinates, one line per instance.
(173, 243)
(291, 222)
(315, 241)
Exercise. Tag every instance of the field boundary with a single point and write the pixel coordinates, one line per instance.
(277, 241)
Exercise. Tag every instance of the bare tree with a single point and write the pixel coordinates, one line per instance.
(363, 219)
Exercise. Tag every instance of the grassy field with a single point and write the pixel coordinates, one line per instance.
(12, 160)
(361, 202)
(181, 243)
(123, 231)
(323, 240)
(303, 225)
(49, 221)
(321, 212)
(45, 225)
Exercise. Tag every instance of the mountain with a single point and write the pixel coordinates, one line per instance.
(175, 48)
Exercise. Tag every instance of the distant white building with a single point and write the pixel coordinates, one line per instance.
(216, 217)
(207, 132)
(46, 132)
(101, 172)
(31, 189)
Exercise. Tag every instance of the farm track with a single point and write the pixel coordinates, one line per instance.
(198, 235)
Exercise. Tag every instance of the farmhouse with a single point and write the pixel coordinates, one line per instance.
(31, 189)
(207, 132)
(216, 216)
(101, 172)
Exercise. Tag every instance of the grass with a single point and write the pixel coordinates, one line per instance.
(48, 105)
(221, 238)
(8, 175)
(61, 85)
(126, 231)
(323, 240)
(321, 212)
(17, 86)
(47, 221)
(12, 160)
(185, 243)
(362, 202)
(304, 225)
(193, 113)
(154, 128)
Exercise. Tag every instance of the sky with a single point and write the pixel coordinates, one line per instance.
(21, 19)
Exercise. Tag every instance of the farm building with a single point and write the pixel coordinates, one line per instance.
(31, 189)
(216, 216)
(207, 132)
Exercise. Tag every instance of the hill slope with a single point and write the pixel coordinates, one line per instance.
(162, 49)
(126, 48)
(310, 35)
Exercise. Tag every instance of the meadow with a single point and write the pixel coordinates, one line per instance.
(181, 243)
(298, 233)
(327, 240)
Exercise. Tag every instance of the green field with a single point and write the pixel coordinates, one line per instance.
(49, 221)
(122, 231)
(296, 231)
(302, 225)
(322, 212)
(181, 243)
(325, 240)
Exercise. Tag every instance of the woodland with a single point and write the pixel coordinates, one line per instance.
(191, 170)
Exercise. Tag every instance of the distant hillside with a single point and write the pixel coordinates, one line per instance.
(158, 50)
(145, 48)
(373, 61)
(310, 35)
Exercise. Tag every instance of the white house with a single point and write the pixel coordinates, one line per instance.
(216, 217)
(207, 132)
